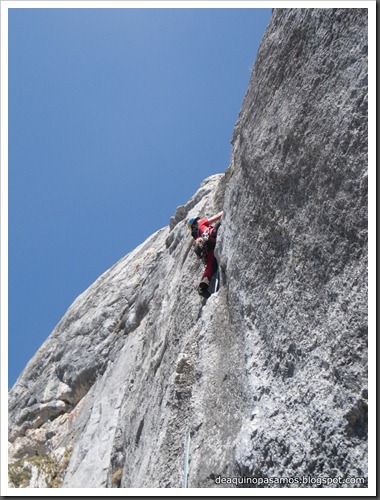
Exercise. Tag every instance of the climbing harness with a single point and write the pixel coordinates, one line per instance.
(205, 235)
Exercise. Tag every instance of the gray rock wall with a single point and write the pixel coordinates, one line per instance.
(296, 213)
(269, 375)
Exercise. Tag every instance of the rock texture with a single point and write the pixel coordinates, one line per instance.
(269, 376)
(298, 201)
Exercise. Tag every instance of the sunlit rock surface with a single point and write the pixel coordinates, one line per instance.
(269, 376)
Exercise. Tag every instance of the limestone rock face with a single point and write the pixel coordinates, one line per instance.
(296, 213)
(268, 378)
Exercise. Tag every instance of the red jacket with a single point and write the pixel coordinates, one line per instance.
(203, 226)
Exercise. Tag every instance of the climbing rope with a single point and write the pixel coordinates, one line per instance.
(217, 280)
(186, 461)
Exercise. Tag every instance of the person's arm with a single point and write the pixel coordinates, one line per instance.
(215, 217)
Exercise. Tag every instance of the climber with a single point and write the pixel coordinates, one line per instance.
(204, 234)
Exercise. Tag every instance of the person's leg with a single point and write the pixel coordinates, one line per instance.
(209, 271)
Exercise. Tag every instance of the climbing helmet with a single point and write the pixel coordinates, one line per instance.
(190, 222)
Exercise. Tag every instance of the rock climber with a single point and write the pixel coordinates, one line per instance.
(204, 234)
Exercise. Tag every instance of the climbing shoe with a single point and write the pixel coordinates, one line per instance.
(203, 292)
(205, 282)
(203, 287)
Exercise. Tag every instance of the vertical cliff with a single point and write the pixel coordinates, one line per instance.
(269, 376)
(296, 213)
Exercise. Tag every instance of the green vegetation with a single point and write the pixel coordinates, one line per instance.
(20, 472)
(116, 478)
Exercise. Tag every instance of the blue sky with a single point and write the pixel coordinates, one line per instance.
(115, 118)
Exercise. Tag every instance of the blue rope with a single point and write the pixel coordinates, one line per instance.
(186, 461)
(217, 280)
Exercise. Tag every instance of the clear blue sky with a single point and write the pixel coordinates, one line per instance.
(115, 118)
